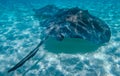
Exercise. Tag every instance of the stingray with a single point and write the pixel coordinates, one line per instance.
(68, 23)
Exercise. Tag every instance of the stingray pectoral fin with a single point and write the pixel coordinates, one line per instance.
(31, 54)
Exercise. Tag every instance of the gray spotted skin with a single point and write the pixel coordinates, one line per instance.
(78, 23)
(68, 23)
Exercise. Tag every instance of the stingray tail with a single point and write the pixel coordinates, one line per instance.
(31, 54)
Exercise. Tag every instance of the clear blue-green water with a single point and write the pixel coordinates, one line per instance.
(20, 33)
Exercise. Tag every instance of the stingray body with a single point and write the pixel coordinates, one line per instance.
(74, 23)
(69, 23)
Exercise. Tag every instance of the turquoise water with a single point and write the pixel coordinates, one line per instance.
(20, 32)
